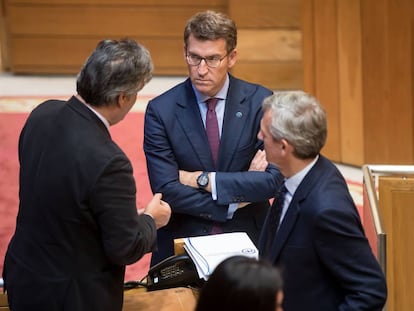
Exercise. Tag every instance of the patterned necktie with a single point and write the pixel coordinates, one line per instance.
(212, 128)
(274, 218)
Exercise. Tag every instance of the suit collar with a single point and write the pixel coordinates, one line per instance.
(292, 213)
(188, 115)
(235, 114)
(86, 112)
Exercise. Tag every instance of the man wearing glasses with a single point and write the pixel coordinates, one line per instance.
(201, 145)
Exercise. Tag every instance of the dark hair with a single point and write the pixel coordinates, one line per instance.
(114, 67)
(241, 283)
(210, 25)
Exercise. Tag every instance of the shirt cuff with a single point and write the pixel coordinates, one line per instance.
(213, 185)
(232, 208)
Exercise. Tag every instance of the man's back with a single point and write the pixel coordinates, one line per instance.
(64, 150)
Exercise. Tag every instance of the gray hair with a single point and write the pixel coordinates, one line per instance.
(300, 119)
(114, 67)
(210, 25)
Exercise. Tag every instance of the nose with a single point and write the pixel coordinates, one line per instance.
(259, 135)
(202, 68)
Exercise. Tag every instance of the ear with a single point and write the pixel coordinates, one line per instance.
(232, 58)
(284, 144)
(122, 98)
(184, 53)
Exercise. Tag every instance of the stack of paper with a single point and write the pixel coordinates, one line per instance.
(208, 251)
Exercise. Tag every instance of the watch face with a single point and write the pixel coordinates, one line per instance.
(202, 180)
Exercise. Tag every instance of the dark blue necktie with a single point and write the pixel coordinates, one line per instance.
(274, 218)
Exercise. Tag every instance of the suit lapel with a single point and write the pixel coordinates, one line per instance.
(87, 113)
(235, 115)
(292, 212)
(285, 229)
(188, 115)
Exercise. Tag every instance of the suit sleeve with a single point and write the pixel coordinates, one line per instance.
(344, 251)
(126, 236)
(234, 187)
(163, 169)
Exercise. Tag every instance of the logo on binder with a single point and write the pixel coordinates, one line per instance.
(248, 251)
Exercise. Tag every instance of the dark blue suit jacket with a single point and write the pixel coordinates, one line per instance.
(321, 249)
(175, 139)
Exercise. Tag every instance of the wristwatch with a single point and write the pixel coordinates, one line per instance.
(202, 180)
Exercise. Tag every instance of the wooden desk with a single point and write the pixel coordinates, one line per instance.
(3, 301)
(173, 299)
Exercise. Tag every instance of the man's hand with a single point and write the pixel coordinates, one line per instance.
(159, 210)
(259, 162)
(242, 204)
(189, 178)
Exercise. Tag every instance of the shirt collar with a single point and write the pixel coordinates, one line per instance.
(101, 117)
(292, 183)
(222, 94)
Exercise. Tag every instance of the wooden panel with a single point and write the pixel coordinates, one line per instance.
(42, 32)
(99, 21)
(376, 79)
(350, 82)
(363, 64)
(388, 98)
(326, 71)
(210, 3)
(401, 55)
(4, 59)
(48, 55)
(397, 211)
(274, 75)
(308, 46)
(269, 45)
(265, 13)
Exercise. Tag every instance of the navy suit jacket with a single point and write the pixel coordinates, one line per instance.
(175, 139)
(321, 249)
(77, 225)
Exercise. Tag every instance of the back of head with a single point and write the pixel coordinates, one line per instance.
(241, 283)
(300, 119)
(114, 67)
(210, 25)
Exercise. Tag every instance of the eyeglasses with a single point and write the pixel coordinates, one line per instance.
(211, 61)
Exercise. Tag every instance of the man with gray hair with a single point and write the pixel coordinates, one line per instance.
(77, 225)
(313, 231)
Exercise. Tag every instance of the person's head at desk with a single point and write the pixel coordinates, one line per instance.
(242, 283)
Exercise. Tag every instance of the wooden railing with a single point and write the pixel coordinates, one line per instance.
(388, 222)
